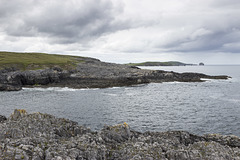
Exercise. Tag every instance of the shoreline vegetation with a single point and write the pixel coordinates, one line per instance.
(19, 70)
(35, 61)
(39, 136)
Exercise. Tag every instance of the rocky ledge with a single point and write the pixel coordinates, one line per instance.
(91, 73)
(40, 136)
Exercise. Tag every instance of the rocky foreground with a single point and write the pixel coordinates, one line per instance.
(40, 136)
(90, 73)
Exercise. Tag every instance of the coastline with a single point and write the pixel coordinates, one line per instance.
(43, 136)
(91, 73)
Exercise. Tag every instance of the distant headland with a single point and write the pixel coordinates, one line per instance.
(169, 63)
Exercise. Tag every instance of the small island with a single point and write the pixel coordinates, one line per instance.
(201, 64)
(19, 70)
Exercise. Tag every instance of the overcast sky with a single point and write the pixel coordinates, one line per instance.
(190, 31)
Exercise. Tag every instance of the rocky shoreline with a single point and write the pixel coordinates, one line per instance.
(40, 136)
(91, 73)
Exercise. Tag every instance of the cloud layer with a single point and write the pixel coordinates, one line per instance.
(101, 28)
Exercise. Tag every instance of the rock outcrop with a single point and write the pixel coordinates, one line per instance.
(40, 136)
(91, 73)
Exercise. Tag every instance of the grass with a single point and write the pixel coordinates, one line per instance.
(26, 61)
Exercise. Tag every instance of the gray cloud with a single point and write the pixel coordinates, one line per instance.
(147, 27)
(61, 21)
(215, 41)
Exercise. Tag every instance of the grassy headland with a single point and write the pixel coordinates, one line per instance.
(78, 72)
(25, 61)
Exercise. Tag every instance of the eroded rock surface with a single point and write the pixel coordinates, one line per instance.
(44, 137)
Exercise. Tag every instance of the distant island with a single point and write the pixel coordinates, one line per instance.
(169, 63)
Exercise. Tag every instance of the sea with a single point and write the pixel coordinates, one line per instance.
(200, 108)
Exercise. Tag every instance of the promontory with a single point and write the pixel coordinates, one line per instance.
(19, 70)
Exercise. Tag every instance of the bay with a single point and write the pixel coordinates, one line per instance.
(208, 107)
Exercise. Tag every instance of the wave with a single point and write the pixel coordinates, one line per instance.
(110, 94)
(58, 89)
(174, 82)
(207, 79)
(113, 87)
(220, 80)
(232, 100)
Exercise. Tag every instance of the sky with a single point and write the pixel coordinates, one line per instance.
(124, 31)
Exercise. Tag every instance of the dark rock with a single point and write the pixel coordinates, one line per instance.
(8, 87)
(2, 118)
(135, 67)
(9, 69)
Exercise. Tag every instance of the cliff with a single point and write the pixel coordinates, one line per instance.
(42, 70)
(40, 136)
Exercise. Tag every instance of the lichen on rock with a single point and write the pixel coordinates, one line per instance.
(18, 113)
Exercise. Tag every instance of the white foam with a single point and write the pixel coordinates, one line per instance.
(57, 89)
(114, 87)
(206, 79)
(174, 82)
(220, 80)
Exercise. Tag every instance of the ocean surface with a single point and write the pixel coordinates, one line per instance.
(208, 107)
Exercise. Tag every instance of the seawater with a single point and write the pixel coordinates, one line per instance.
(209, 107)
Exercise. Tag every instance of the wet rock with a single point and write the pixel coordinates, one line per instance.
(9, 87)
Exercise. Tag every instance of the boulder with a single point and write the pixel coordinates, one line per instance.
(117, 133)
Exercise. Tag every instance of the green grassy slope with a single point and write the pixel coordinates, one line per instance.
(37, 60)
